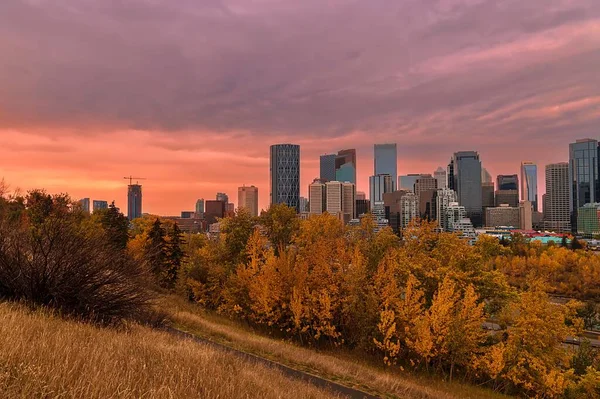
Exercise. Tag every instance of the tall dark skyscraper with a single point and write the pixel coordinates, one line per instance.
(327, 167)
(466, 172)
(134, 201)
(583, 176)
(529, 191)
(338, 167)
(285, 175)
(386, 162)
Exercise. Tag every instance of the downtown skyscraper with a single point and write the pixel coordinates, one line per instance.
(285, 175)
(338, 167)
(134, 201)
(386, 162)
(529, 190)
(556, 201)
(248, 199)
(465, 176)
(583, 176)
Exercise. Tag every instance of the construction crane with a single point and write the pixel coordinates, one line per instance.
(131, 178)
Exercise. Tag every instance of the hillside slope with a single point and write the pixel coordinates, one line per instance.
(44, 356)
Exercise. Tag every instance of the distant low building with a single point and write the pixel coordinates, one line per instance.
(503, 215)
(99, 204)
(84, 203)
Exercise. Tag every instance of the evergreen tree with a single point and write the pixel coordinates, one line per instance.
(156, 252)
(115, 224)
(563, 243)
(576, 244)
(175, 256)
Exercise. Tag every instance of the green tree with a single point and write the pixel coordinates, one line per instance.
(576, 244)
(115, 225)
(175, 256)
(156, 253)
(236, 231)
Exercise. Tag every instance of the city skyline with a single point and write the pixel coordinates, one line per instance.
(513, 82)
(120, 190)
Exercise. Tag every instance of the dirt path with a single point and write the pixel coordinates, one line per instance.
(319, 382)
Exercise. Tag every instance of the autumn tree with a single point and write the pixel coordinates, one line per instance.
(535, 359)
(235, 231)
(281, 224)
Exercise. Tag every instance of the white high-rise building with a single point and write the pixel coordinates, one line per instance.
(444, 198)
(454, 214)
(441, 177)
(409, 208)
(316, 197)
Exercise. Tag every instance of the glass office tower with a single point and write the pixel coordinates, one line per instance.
(285, 175)
(386, 161)
(529, 190)
(583, 176)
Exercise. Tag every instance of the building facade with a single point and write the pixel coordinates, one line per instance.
(363, 206)
(200, 208)
(503, 215)
(345, 166)
(348, 201)
(317, 197)
(386, 162)
(526, 215)
(588, 220)
(248, 199)
(222, 197)
(285, 175)
(444, 197)
(510, 197)
(507, 182)
(134, 201)
(454, 214)
(467, 183)
(425, 183)
(529, 190)
(379, 185)
(409, 209)
(99, 204)
(84, 204)
(334, 197)
(557, 215)
(214, 209)
(441, 176)
(327, 167)
(583, 176)
(303, 201)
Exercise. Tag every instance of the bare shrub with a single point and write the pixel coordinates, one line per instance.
(61, 261)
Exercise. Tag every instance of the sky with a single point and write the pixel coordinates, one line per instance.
(190, 94)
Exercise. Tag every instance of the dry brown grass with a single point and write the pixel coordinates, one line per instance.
(342, 367)
(43, 356)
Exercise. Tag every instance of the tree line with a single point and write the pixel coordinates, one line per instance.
(420, 302)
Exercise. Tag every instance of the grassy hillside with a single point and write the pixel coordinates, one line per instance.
(341, 366)
(45, 356)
